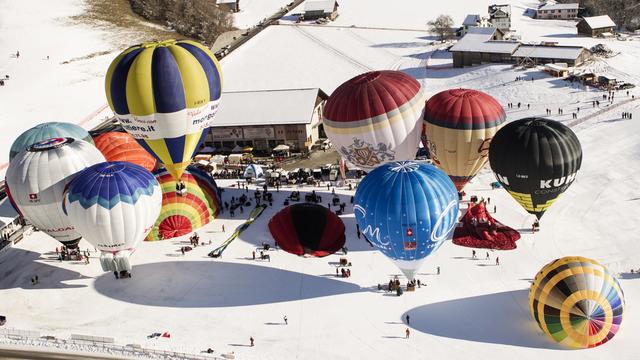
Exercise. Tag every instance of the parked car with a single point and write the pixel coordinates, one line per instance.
(317, 174)
(333, 175)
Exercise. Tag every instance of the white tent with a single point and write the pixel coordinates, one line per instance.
(281, 147)
(253, 171)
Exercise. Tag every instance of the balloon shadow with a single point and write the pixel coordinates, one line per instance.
(188, 284)
(18, 266)
(500, 318)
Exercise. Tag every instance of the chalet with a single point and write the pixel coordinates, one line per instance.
(596, 26)
(500, 17)
(544, 54)
(469, 22)
(231, 5)
(321, 9)
(551, 10)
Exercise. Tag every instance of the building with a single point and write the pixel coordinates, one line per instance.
(231, 5)
(545, 54)
(321, 9)
(500, 17)
(596, 26)
(264, 119)
(551, 10)
(482, 45)
(469, 22)
(557, 70)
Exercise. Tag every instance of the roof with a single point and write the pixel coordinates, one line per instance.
(478, 39)
(7, 212)
(267, 107)
(549, 6)
(471, 20)
(599, 22)
(326, 6)
(225, 1)
(557, 66)
(549, 52)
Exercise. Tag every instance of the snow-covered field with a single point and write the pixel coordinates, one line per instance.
(473, 310)
(253, 11)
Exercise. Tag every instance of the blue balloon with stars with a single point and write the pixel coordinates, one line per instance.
(406, 209)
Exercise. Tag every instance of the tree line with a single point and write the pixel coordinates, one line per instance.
(200, 19)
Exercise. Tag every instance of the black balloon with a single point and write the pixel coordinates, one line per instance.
(535, 160)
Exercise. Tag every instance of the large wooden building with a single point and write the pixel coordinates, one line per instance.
(481, 46)
(551, 10)
(264, 119)
(316, 9)
(596, 26)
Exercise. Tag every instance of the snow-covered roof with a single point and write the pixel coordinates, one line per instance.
(267, 107)
(557, 66)
(598, 22)
(326, 6)
(549, 52)
(225, 1)
(7, 213)
(471, 20)
(551, 6)
(478, 39)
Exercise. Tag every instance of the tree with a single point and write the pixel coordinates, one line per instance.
(442, 26)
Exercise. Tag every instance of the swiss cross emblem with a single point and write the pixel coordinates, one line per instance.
(33, 196)
(409, 232)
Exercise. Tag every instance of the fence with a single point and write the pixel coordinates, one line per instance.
(95, 344)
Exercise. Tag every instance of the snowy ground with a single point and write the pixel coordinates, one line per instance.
(473, 310)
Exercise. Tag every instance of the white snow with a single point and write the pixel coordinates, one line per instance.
(254, 11)
(473, 310)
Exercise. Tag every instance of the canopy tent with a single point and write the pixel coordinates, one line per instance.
(253, 171)
(247, 149)
(282, 147)
(237, 149)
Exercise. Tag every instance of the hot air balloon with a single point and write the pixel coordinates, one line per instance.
(114, 205)
(459, 126)
(307, 229)
(119, 146)
(375, 118)
(166, 95)
(182, 214)
(37, 178)
(577, 302)
(46, 131)
(407, 210)
(535, 160)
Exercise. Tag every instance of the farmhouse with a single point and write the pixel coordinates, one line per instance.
(596, 26)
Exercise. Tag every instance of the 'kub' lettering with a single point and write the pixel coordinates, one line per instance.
(547, 184)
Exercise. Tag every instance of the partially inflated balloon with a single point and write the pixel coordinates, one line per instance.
(37, 178)
(114, 205)
(535, 160)
(46, 131)
(375, 118)
(577, 302)
(406, 209)
(307, 230)
(186, 212)
(459, 126)
(119, 146)
(166, 95)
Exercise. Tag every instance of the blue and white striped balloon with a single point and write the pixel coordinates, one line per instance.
(114, 206)
(406, 210)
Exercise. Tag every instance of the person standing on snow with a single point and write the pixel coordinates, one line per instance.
(407, 318)
(407, 333)
(251, 340)
(286, 322)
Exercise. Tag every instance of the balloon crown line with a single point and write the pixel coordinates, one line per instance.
(159, 43)
(464, 92)
(49, 144)
(367, 77)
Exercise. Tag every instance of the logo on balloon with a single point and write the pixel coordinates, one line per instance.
(439, 234)
(365, 154)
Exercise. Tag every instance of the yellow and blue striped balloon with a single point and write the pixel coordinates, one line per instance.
(166, 95)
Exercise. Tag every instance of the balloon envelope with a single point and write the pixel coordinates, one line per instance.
(37, 178)
(182, 214)
(46, 131)
(535, 160)
(459, 126)
(119, 146)
(577, 302)
(114, 205)
(166, 95)
(307, 229)
(407, 210)
(375, 118)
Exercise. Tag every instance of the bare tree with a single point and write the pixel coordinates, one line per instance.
(442, 26)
